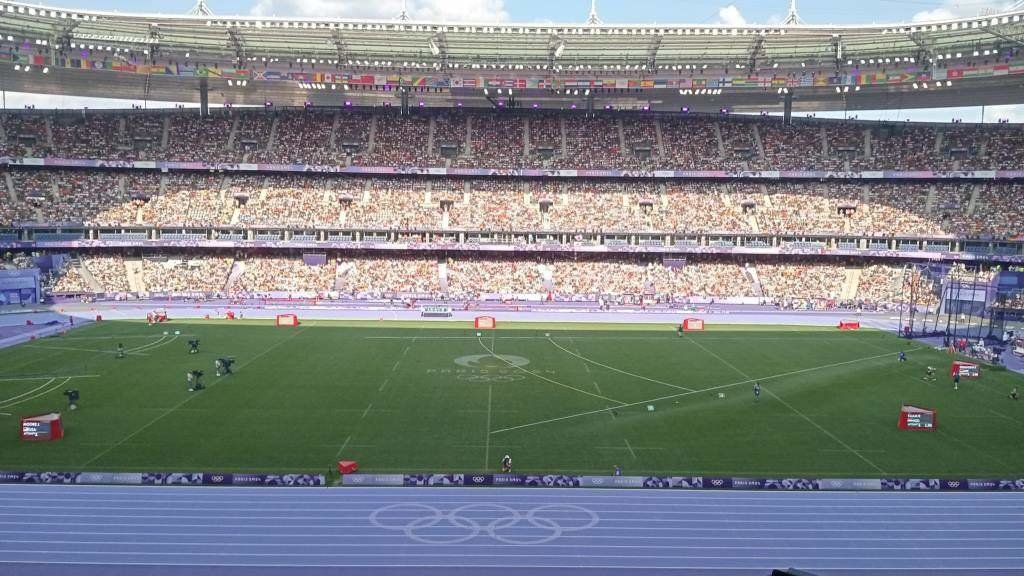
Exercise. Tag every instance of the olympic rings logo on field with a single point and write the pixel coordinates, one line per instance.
(497, 521)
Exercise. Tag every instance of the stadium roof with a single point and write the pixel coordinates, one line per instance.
(613, 58)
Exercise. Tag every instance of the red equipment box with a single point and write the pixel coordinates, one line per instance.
(915, 418)
(965, 369)
(287, 320)
(485, 323)
(42, 427)
(347, 466)
(693, 324)
(849, 325)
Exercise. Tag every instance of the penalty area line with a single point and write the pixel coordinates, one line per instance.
(682, 394)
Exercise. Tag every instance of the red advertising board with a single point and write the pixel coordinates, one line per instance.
(849, 325)
(693, 324)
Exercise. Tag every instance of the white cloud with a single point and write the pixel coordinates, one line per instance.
(951, 9)
(730, 16)
(425, 10)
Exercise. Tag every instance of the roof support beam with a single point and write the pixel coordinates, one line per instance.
(924, 47)
(652, 52)
(837, 51)
(340, 46)
(1011, 39)
(438, 45)
(755, 50)
(238, 44)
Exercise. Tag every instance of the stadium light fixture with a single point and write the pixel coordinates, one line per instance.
(915, 85)
(46, 70)
(27, 68)
(949, 83)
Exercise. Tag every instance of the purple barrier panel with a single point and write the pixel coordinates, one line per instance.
(434, 480)
(850, 484)
(373, 480)
(718, 483)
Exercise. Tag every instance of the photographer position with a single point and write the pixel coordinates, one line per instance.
(72, 399)
(194, 380)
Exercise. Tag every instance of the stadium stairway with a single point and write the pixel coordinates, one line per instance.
(135, 278)
(9, 183)
(851, 285)
(94, 284)
(442, 274)
(237, 269)
(750, 271)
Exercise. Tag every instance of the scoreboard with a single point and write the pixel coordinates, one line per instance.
(42, 427)
(914, 418)
(32, 430)
(920, 420)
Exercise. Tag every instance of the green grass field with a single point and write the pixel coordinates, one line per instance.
(415, 397)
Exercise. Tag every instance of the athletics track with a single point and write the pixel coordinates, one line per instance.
(178, 531)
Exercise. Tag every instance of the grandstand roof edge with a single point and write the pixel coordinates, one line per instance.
(867, 27)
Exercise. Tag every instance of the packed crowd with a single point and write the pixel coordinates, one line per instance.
(194, 273)
(187, 199)
(496, 139)
(469, 277)
(376, 277)
(263, 275)
(790, 284)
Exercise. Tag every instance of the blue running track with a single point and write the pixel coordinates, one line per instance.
(179, 531)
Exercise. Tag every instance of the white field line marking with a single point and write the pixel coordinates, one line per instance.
(973, 448)
(367, 411)
(147, 345)
(126, 337)
(381, 389)
(342, 449)
(49, 376)
(546, 379)
(2, 402)
(586, 365)
(711, 389)
(188, 399)
(5, 414)
(791, 407)
(630, 448)
(487, 443)
(825, 432)
(37, 395)
(152, 346)
(83, 350)
(614, 369)
(1001, 415)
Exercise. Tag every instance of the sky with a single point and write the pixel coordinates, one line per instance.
(728, 12)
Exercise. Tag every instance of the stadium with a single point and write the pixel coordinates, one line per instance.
(399, 296)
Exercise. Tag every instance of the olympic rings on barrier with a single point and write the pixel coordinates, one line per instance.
(538, 525)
